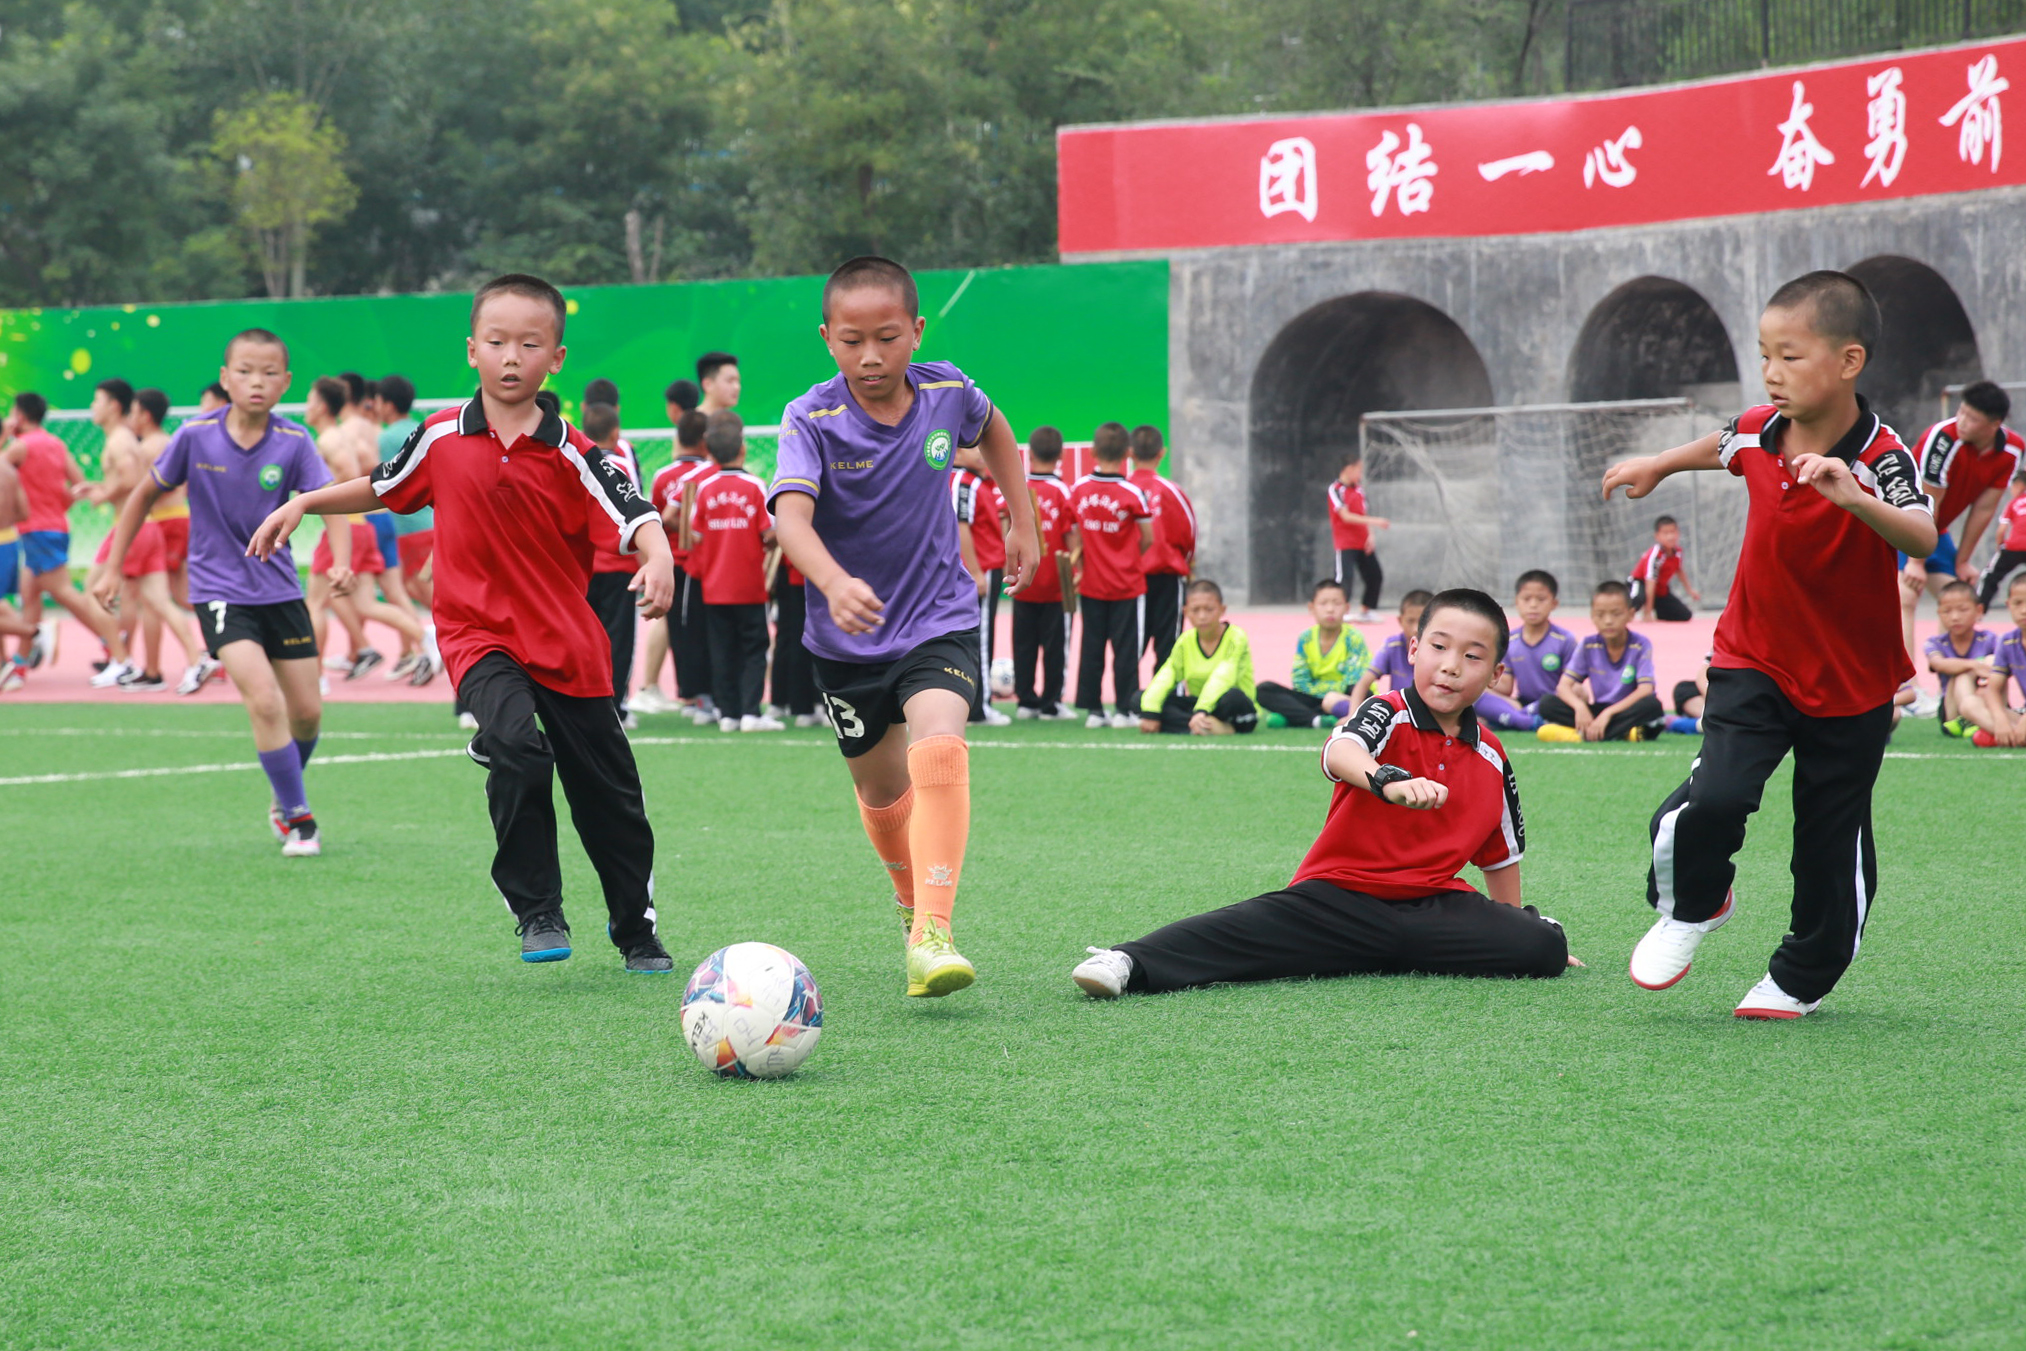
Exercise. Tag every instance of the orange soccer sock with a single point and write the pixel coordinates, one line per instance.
(887, 828)
(940, 767)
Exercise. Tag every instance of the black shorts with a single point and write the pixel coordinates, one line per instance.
(866, 698)
(282, 629)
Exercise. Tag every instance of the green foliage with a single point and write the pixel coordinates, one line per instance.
(287, 179)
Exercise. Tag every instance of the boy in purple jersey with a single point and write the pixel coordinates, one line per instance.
(861, 506)
(1393, 662)
(1540, 651)
(1616, 665)
(1998, 721)
(240, 463)
(1960, 650)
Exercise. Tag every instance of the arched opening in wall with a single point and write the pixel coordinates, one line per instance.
(1927, 344)
(1330, 366)
(1654, 338)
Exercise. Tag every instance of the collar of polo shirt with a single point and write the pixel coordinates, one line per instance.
(1424, 720)
(1848, 449)
(471, 421)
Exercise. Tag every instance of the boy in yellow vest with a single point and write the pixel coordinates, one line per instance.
(1328, 660)
(1205, 686)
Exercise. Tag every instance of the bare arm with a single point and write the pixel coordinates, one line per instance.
(1638, 477)
(1981, 512)
(333, 501)
(1001, 453)
(1352, 518)
(1503, 885)
(655, 581)
(854, 606)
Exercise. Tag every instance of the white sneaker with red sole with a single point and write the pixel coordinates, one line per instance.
(1664, 955)
(1768, 1002)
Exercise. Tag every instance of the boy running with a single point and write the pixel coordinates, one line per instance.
(242, 462)
(1809, 651)
(514, 487)
(50, 481)
(861, 508)
(13, 511)
(1421, 790)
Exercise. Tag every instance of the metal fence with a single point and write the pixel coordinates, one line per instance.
(1612, 43)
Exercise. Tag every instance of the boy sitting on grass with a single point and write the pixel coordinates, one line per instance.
(1393, 665)
(1205, 686)
(1960, 655)
(1983, 702)
(1617, 664)
(1328, 660)
(1421, 790)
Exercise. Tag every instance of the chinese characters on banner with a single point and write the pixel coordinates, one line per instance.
(1887, 127)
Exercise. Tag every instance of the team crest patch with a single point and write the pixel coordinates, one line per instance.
(1551, 662)
(270, 477)
(938, 449)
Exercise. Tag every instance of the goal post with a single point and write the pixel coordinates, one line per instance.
(1478, 495)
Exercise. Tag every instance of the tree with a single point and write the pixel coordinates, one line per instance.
(287, 179)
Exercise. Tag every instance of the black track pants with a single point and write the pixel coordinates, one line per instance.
(1040, 632)
(1553, 709)
(1164, 613)
(1116, 622)
(613, 604)
(689, 638)
(738, 647)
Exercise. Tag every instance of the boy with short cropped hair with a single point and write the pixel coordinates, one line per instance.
(717, 376)
(1421, 789)
(1113, 526)
(514, 487)
(1656, 571)
(1330, 658)
(1999, 721)
(1169, 563)
(732, 531)
(13, 511)
(1393, 664)
(1040, 617)
(1960, 656)
(1616, 665)
(240, 463)
(49, 479)
(1809, 652)
(1351, 530)
(1205, 687)
(861, 506)
(1540, 651)
(1965, 463)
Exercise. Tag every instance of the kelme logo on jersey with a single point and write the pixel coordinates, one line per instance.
(270, 477)
(938, 449)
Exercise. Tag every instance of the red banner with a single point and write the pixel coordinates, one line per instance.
(1890, 126)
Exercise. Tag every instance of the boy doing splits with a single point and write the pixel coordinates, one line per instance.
(1421, 789)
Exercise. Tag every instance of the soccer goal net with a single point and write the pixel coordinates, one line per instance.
(1478, 495)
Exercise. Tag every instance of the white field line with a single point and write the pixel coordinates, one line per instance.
(197, 734)
(1165, 745)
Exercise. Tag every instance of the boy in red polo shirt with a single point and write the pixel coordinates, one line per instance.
(1040, 624)
(1113, 528)
(1421, 789)
(981, 539)
(1169, 563)
(514, 488)
(612, 572)
(732, 530)
(1351, 536)
(1808, 652)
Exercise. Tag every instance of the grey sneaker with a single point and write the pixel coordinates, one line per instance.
(648, 957)
(1103, 974)
(544, 937)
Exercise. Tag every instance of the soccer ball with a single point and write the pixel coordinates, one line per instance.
(752, 1011)
(1002, 677)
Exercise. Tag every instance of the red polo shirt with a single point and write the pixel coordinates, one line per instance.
(1106, 510)
(1398, 853)
(1657, 568)
(513, 541)
(1343, 534)
(976, 499)
(730, 558)
(1815, 602)
(1051, 515)
(605, 555)
(667, 491)
(1958, 473)
(1174, 525)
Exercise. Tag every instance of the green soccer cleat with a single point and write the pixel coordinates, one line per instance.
(1957, 728)
(934, 966)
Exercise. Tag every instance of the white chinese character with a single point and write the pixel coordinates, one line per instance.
(1407, 172)
(1800, 152)
(1885, 123)
(1979, 113)
(1287, 178)
(1608, 161)
(1533, 162)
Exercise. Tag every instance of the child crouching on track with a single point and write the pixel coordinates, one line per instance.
(1421, 789)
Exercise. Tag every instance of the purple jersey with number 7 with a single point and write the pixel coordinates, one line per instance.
(232, 490)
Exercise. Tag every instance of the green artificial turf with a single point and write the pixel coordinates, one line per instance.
(254, 1101)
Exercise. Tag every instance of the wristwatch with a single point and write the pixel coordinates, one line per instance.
(1384, 775)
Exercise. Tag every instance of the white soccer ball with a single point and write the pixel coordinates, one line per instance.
(752, 1011)
(1002, 677)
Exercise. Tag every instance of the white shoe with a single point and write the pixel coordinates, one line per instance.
(630, 723)
(1663, 956)
(1925, 703)
(728, 724)
(647, 699)
(43, 649)
(403, 667)
(703, 717)
(1026, 714)
(340, 665)
(994, 718)
(11, 678)
(760, 722)
(323, 685)
(1767, 1001)
(302, 842)
(774, 711)
(1095, 722)
(112, 674)
(1104, 973)
(195, 676)
(1059, 715)
(1124, 722)
(467, 722)
(808, 720)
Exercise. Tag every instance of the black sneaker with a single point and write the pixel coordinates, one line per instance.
(363, 663)
(648, 957)
(544, 937)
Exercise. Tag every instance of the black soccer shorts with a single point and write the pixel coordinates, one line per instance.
(866, 699)
(282, 629)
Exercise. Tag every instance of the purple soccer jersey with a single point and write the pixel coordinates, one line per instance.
(883, 506)
(1983, 643)
(2012, 663)
(1394, 663)
(232, 490)
(1537, 670)
(1611, 680)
